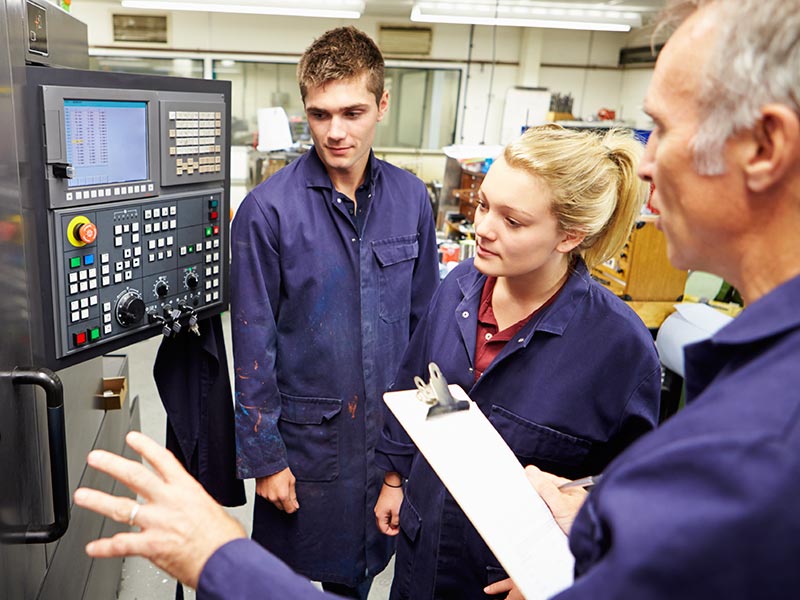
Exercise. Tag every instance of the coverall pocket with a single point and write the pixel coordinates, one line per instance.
(547, 448)
(396, 257)
(404, 570)
(409, 520)
(311, 435)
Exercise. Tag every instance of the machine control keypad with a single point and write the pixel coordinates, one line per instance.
(148, 256)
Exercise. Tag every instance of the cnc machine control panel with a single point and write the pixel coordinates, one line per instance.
(137, 212)
(135, 262)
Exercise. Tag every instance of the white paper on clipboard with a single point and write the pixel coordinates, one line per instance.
(489, 484)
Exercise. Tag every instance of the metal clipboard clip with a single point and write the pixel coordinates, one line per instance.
(437, 395)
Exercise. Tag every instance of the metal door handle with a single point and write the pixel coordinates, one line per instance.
(56, 435)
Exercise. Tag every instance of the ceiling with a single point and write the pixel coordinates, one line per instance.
(402, 8)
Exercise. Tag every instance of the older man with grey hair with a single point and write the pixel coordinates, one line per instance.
(705, 506)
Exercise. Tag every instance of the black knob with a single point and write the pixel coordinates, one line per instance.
(192, 280)
(162, 289)
(130, 309)
(63, 170)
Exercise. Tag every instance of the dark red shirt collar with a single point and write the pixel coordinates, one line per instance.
(489, 341)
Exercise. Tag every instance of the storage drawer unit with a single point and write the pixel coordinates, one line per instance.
(642, 271)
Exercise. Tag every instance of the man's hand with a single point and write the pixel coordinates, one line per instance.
(387, 508)
(279, 489)
(506, 585)
(181, 525)
(564, 504)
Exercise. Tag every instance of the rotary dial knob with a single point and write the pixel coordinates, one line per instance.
(161, 288)
(191, 280)
(130, 308)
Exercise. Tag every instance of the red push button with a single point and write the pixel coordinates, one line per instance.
(213, 215)
(79, 338)
(86, 232)
(216, 229)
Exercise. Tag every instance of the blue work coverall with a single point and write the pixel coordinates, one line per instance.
(707, 505)
(321, 315)
(576, 385)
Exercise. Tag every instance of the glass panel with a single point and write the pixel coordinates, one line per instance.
(174, 67)
(423, 106)
(260, 85)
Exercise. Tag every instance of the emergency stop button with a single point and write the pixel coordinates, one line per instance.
(87, 233)
(81, 231)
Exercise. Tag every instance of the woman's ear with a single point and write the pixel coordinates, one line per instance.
(773, 147)
(570, 241)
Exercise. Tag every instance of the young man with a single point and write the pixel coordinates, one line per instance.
(704, 506)
(334, 261)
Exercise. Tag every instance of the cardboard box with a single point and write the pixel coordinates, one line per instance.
(559, 116)
(114, 386)
(113, 393)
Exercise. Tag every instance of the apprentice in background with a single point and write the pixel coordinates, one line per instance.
(334, 261)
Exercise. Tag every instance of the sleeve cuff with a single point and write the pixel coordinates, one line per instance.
(243, 569)
(394, 456)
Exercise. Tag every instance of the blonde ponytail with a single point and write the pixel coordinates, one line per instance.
(631, 192)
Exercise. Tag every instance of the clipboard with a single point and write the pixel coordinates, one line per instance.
(484, 476)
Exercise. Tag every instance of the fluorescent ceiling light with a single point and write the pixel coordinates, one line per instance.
(336, 9)
(552, 15)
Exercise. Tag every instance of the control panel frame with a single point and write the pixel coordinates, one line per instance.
(189, 192)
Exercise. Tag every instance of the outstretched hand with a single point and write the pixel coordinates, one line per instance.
(181, 526)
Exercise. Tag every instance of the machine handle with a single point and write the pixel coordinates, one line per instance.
(56, 435)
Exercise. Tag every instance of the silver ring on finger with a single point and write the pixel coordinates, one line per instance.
(134, 512)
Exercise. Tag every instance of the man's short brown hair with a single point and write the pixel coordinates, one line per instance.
(340, 54)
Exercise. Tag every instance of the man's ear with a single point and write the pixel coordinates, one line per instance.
(383, 104)
(775, 147)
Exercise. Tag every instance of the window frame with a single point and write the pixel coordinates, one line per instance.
(208, 59)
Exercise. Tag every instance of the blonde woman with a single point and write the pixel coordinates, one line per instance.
(564, 370)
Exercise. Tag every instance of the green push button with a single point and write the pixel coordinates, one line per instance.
(74, 262)
(94, 334)
(209, 231)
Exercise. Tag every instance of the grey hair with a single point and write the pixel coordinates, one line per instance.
(756, 61)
